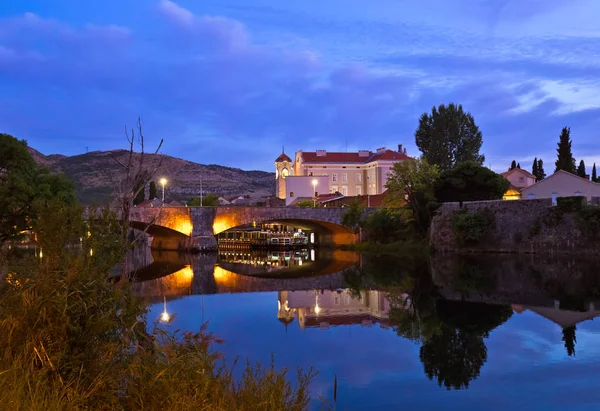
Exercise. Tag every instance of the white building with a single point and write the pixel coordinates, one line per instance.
(349, 173)
(562, 184)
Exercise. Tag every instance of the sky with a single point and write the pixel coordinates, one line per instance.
(232, 81)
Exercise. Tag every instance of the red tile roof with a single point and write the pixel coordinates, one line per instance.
(390, 155)
(283, 157)
(509, 172)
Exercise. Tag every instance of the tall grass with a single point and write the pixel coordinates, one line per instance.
(69, 339)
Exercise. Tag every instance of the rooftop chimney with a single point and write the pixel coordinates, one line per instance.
(321, 153)
(364, 153)
(381, 149)
(400, 148)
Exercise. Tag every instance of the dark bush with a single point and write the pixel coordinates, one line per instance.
(470, 227)
(588, 221)
(569, 204)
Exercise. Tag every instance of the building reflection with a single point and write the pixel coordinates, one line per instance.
(275, 259)
(325, 308)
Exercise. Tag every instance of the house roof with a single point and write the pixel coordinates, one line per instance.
(283, 157)
(514, 170)
(559, 172)
(333, 157)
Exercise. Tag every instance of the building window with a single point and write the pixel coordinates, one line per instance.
(358, 190)
(344, 190)
(334, 177)
(344, 177)
(359, 178)
(334, 189)
(291, 194)
(531, 196)
(285, 172)
(578, 194)
(554, 197)
(336, 300)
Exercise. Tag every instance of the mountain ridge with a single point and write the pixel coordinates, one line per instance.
(96, 173)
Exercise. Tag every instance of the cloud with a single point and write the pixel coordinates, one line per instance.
(216, 90)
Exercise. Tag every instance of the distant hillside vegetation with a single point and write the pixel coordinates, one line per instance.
(97, 172)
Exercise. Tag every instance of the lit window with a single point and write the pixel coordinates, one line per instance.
(344, 190)
(334, 189)
(285, 172)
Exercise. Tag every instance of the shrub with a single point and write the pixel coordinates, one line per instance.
(352, 218)
(470, 181)
(470, 227)
(383, 226)
(569, 204)
(588, 221)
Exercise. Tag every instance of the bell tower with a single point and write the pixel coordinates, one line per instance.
(283, 166)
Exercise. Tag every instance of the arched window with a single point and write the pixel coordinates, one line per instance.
(285, 172)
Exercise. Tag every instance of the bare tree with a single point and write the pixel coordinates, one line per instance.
(136, 174)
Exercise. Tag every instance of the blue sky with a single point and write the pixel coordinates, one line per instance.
(231, 81)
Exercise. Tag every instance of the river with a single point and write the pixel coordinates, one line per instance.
(404, 332)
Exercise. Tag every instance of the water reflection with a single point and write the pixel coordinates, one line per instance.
(462, 315)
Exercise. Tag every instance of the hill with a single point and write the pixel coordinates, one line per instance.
(96, 174)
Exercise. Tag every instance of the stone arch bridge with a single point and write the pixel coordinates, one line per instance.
(189, 228)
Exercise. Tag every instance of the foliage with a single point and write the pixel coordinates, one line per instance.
(565, 160)
(594, 175)
(588, 220)
(569, 204)
(24, 188)
(306, 204)
(140, 190)
(581, 169)
(569, 339)
(513, 165)
(352, 217)
(413, 181)
(470, 227)
(538, 169)
(73, 340)
(152, 192)
(470, 182)
(209, 200)
(449, 136)
(384, 226)
(536, 227)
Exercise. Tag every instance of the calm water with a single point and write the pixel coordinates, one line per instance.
(398, 333)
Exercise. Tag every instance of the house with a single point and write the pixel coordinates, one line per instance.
(150, 203)
(562, 184)
(369, 201)
(349, 173)
(519, 179)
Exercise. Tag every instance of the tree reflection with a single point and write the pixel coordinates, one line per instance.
(570, 340)
(453, 357)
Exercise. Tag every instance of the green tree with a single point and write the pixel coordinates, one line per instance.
(140, 195)
(581, 169)
(569, 339)
(209, 200)
(513, 165)
(565, 160)
(534, 168)
(594, 175)
(449, 136)
(470, 182)
(352, 218)
(25, 188)
(383, 226)
(541, 173)
(412, 181)
(152, 192)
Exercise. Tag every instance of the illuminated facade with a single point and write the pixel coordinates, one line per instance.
(519, 179)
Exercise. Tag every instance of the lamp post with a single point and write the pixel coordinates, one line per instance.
(314, 184)
(163, 183)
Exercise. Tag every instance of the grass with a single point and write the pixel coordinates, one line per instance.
(71, 340)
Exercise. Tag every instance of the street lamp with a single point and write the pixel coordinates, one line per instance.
(163, 183)
(314, 184)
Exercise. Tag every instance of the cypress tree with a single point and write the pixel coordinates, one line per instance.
(581, 169)
(534, 168)
(594, 176)
(140, 196)
(541, 173)
(565, 160)
(152, 192)
(513, 165)
(519, 165)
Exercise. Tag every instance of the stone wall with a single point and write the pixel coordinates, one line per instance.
(516, 227)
